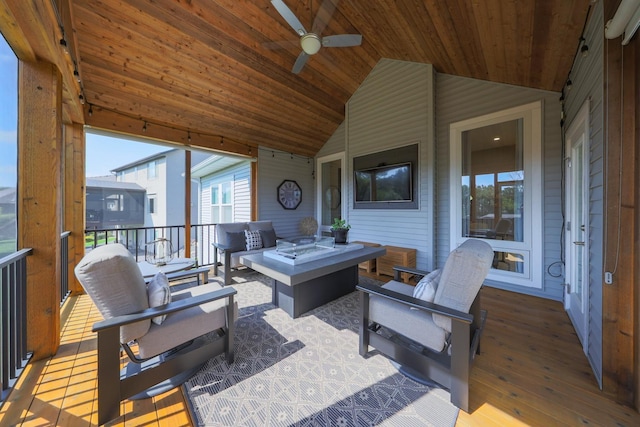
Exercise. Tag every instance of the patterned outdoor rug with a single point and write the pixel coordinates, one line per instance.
(307, 372)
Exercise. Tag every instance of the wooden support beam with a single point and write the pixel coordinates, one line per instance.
(620, 306)
(254, 191)
(40, 199)
(187, 204)
(122, 124)
(74, 198)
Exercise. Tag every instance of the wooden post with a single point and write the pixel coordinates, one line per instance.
(40, 199)
(620, 299)
(74, 198)
(254, 191)
(187, 204)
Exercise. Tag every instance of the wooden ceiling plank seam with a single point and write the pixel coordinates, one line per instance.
(260, 86)
(134, 127)
(422, 26)
(248, 58)
(208, 100)
(466, 29)
(173, 118)
(447, 32)
(250, 90)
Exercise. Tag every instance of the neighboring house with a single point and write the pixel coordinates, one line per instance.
(224, 184)
(162, 178)
(7, 220)
(112, 204)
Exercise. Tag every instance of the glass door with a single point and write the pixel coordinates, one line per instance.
(330, 191)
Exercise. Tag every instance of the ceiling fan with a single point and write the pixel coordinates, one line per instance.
(311, 42)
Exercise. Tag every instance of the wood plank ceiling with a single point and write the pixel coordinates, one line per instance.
(220, 70)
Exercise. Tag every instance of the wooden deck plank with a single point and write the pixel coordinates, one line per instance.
(531, 371)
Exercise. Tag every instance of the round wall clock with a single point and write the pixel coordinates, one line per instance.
(289, 194)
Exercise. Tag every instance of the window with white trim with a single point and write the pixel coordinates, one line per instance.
(152, 170)
(496, 188)
(222, 202)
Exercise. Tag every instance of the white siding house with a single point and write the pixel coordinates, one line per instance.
(162, 177)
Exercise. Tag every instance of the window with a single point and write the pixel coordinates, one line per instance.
(222, 202)
(496, 187)
(152, 204)
(152, 169)
(8, 148)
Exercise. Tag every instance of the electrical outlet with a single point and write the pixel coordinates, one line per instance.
(608, 277)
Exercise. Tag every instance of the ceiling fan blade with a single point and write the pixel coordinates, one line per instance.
(342, 40)
(323, 16)
(302, 59)
(288, 16)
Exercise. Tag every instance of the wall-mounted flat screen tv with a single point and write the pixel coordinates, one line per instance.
(384, 183)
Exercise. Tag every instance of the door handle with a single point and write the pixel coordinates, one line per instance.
(578, 243)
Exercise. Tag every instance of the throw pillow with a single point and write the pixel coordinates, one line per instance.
(254, 241)
(159, 293)
(268, 238)
(236, 241)
(427, 286)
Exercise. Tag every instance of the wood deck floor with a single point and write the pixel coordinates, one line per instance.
(532, 371)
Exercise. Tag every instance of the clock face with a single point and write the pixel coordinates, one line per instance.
(289, 194)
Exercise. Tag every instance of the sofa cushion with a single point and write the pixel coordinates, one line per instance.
(159, 293)
(229, 227)
(236, 240)
(254, 241)
(268, 238)
(260, 225)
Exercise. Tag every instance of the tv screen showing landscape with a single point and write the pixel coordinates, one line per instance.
(384, 184)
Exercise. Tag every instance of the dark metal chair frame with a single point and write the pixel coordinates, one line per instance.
(112, 389)
(450, 367)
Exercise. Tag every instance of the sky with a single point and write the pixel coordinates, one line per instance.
(103, 153)
(8, 115)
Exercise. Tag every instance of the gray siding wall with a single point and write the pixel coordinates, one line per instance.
(335, 144)
(587, 78)
(459, 98)
(273, 168)
(393, 108)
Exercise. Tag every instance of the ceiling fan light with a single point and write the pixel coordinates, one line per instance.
(310, 43)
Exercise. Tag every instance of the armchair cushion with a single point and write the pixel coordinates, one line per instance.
(427, 286)
(395, 316)
(185, 325)
(114, 282)
(159, 293)
(464, 272)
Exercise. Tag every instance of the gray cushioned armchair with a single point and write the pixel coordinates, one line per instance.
(164, 355)
(436, 340)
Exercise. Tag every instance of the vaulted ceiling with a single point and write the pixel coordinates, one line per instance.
(219, 71)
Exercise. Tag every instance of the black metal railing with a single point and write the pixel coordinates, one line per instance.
(137, 239)
(13, 319)
(64, 266)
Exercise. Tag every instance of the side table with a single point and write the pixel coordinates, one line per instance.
(396, 255)
(370, 265)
